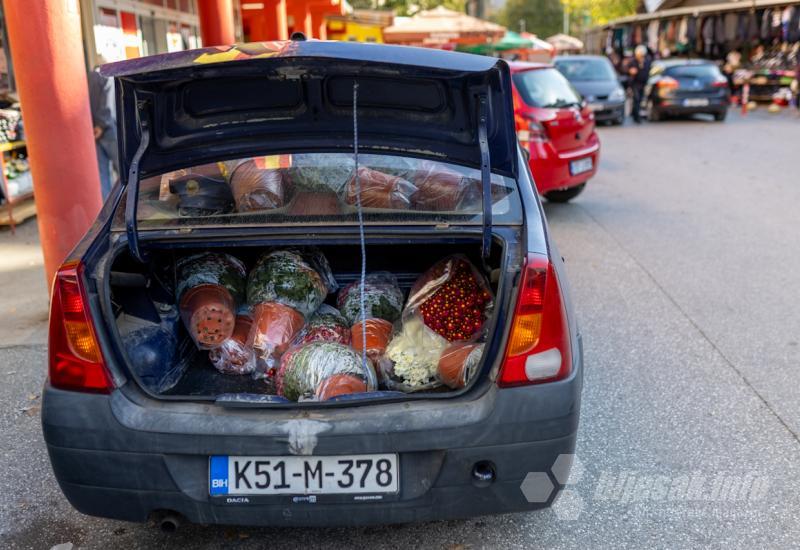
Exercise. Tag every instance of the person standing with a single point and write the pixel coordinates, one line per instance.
(639, 71)
(101, 100)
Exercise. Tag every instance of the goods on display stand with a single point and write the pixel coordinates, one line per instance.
(16, 183)
(756, 46)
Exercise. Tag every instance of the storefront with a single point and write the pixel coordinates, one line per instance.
(124, 29)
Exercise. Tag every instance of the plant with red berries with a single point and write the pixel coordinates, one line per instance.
(457, 308)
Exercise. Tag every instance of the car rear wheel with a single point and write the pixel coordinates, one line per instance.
(564, 195)
(653, 115)
(720, 116)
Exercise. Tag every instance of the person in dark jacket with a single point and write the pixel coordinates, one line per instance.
(639, 71)
(101, 101)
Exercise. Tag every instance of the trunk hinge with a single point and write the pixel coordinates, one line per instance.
(132, 204)
(486, 175)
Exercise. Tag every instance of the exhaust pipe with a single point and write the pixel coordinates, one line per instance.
(483, 473)
(168, 521)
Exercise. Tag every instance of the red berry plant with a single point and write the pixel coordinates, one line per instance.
(457, 309)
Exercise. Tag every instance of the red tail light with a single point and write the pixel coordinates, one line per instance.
(720, 83)
(668, 82)
(75, 359)
(530, 130)
(538, 348)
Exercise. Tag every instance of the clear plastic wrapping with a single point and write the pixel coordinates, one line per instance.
(452, 298)
(209, 287)
(300, 280)
(274, 327)
(441, 189)
(325, 325)
(321, 370)
(383, 298)
(321, 172)
(256, 188)
(235, 355)
(412, 357)
(379, 190)
(378, 334)
(458, 363)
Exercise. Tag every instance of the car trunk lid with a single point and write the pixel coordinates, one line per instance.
(215, 104)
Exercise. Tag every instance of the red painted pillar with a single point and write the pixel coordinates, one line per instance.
(216, 22)
(47, 52)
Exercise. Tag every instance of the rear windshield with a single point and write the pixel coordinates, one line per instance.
(322, 188)
(693, 71)
(546, 88)
(580, 70)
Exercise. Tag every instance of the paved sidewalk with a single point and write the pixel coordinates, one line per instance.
(23, 289)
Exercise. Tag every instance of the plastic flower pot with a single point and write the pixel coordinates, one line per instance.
(208, 313)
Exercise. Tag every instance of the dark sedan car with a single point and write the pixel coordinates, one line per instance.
(271, 158)
(682, 87)
(596, 80)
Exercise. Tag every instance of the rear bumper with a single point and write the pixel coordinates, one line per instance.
(676, 107)
(125, 458)
(610, 111)
(551, 168)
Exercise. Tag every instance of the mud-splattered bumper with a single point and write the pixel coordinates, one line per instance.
(123, 457)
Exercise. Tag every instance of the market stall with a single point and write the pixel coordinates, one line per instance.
(515, 46)
(442, 28)
(756, 43)
(564, 43)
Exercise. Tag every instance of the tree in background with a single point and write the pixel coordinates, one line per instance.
(541, 17)
(588, 13)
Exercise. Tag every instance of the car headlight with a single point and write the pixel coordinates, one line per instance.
(617, 95)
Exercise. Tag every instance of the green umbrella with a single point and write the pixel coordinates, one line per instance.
(511, 41)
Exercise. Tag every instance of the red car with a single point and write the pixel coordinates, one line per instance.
(557, 127)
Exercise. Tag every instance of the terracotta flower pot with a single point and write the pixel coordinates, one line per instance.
(379, 332)
(457, 363)
(208, 313)
(340, 384)
(274, 327)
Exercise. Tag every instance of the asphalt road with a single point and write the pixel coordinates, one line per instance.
(683, 259)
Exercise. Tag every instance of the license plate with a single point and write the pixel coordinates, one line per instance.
(596, 106)
(581, 165)
(695, 102)
(296, 475)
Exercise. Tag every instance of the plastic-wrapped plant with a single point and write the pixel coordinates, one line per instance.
(314, 370)
(383, 298)
(209, 287)
(325, 325)
(300, 280)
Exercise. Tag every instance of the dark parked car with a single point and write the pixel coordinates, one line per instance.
(683, 87)
(222, 448)
(596, 80)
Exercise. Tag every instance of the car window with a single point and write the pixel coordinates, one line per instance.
(321, 188)
(693, 71)
(580, 70)
(546, 88)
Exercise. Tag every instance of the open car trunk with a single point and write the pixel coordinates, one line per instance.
(162, 357)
